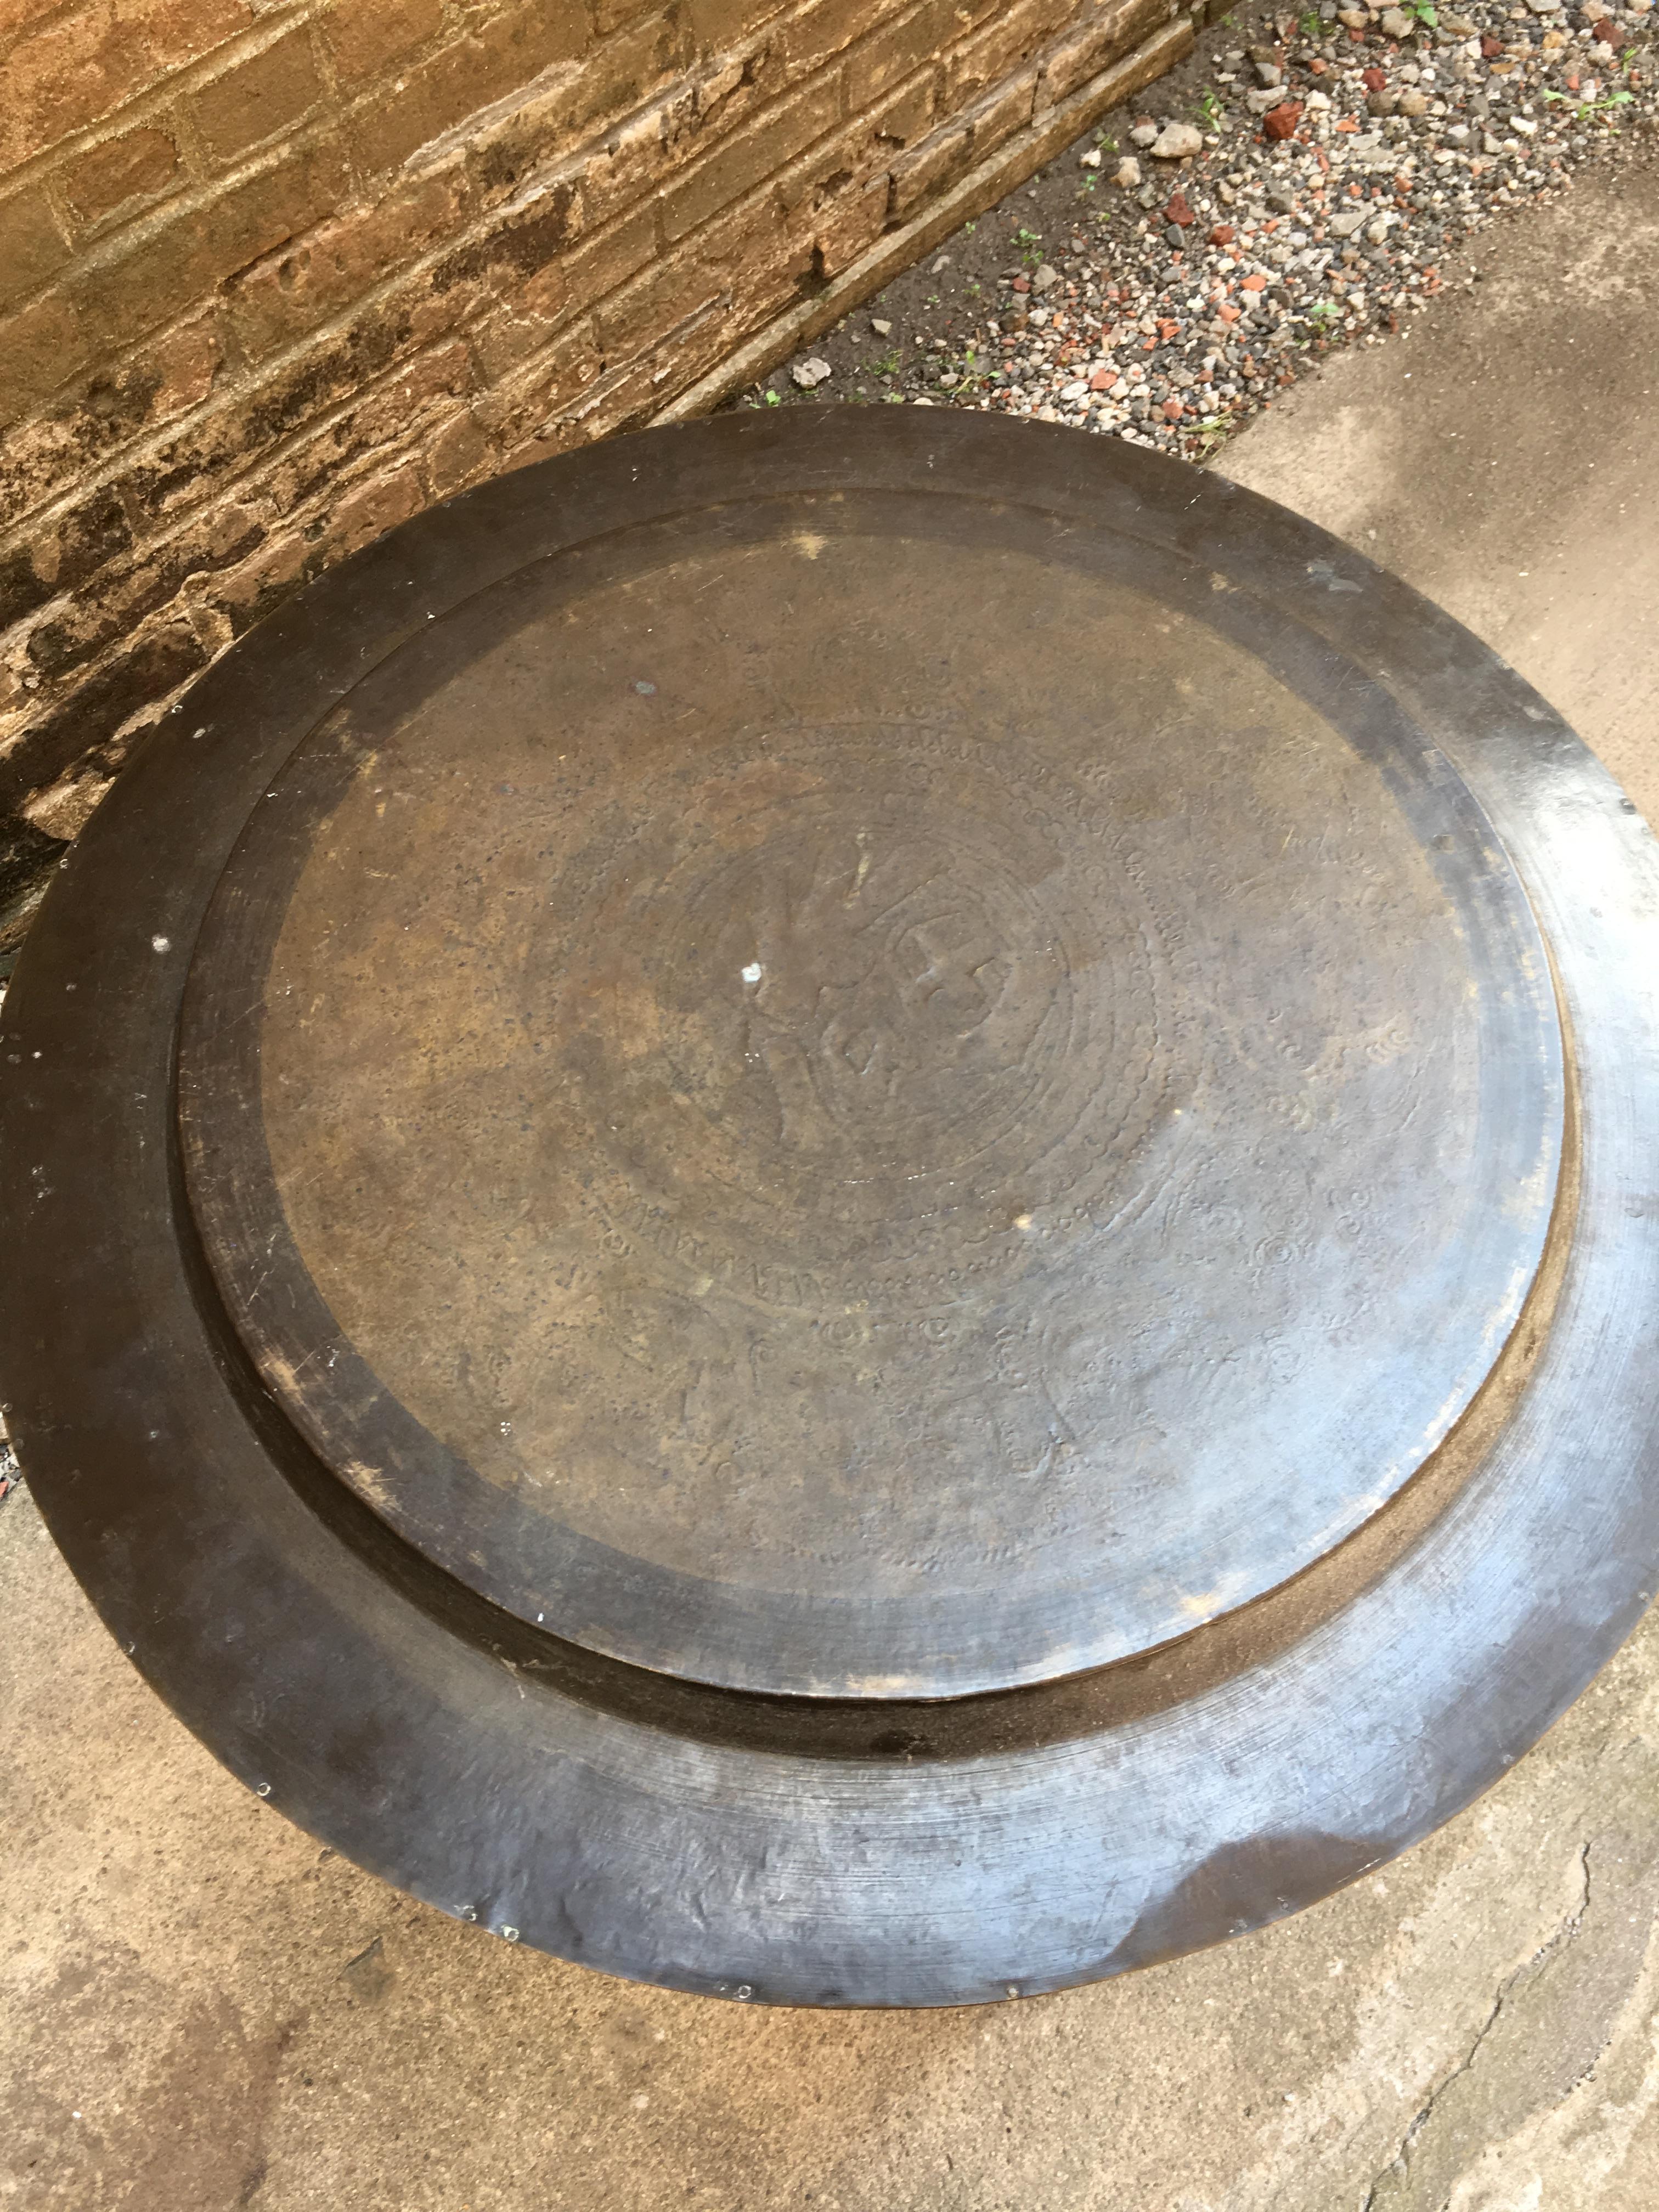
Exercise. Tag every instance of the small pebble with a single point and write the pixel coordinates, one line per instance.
(1179, 142)
(1336, 179)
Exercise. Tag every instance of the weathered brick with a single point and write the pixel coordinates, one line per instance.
(856, 152)
(443, 88)
(53, 559)
(244, 595)
(1007, 107)
(31, 247)
(750, 155)
(648, 151)
(517, 407)
(895, 51)
(322, 271)
(123, 174)
(457, 455)
(374, 508)
(608, 257)
(361, 40)
(180, 368)
(64, 808)
(521, 325)
(627, 67)
(41, 347)
(755, 258)
(541, 129)
(630, 394)
(717, 23)
(945, 154)
(828, 29)
(221, 443)
(127, 290)
(29, 854)
(683, 283)
(1011, 38)
(901, 120)
(848, 223)
(615, 14)
(256, 97)
(962, 140)
(135, 586)
(41, 459)
(1105, 32)
(142, 671)
(360, 438)
(79, 67)
(513, 244)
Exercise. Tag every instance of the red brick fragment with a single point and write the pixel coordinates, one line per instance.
(1280, 122)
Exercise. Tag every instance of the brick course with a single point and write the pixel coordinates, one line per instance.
(274, 277)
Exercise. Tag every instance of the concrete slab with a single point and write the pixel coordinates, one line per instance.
(200, 2009)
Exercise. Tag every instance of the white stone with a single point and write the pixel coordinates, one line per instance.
(809, 374)
(1128, 173)
(1179, 142)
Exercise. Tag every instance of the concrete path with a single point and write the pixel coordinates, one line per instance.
(200, 2009)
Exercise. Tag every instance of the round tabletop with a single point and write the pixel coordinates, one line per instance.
(815, 1144)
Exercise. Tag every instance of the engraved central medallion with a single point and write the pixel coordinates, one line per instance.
(854, 1107)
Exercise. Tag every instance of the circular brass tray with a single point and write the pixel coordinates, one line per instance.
(849, 1210)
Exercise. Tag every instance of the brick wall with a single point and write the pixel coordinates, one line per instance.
(274, 277)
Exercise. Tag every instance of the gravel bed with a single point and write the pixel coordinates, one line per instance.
(1296, 186)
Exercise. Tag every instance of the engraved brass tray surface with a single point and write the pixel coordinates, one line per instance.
(849, 1210)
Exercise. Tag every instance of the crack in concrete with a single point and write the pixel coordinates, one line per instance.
(1400, 2163)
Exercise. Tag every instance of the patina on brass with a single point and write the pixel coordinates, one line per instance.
(862, 1218)
(831, 1147)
